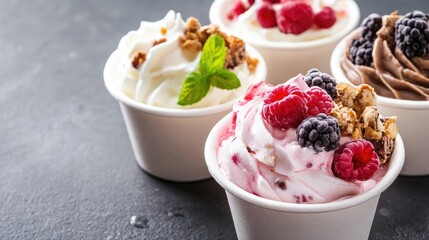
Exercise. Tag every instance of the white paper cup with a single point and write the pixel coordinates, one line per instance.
(412, 119)
(169, 143)
(285, 59)
(259, 218)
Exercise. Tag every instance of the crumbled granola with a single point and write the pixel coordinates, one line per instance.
(391, 127)
(370, 123)
(384, 148)
(138, 59)
(347, 119)
(195, 36)
(252, 63)
(159, 41)
(357, 98)
(358, 117)
(163, 30)
(191, 40)
(236, 52)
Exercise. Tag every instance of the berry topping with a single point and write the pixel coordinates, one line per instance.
(320, 132)
(325, 18)
(361, 52)
(370, 25)
(285, 106)
(237, 10)
(355, 160)
(319, 102)
(271, 1)
(412, 34)
(251, 2)
(295, 17)
(323, 80)
(266, 16)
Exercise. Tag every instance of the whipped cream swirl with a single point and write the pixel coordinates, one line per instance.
(159, 79)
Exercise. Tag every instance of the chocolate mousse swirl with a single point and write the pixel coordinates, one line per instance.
(391, 74)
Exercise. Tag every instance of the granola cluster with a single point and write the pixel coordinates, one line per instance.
(193, 39)
(195, 36)
(356, 111)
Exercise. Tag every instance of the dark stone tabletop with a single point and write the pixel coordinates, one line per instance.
(67, 170)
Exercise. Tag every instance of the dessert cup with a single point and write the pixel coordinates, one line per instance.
(412, 117)
(285, 59)
(168, 143)
(259, 218)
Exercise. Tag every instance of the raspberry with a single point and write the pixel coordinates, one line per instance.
(355, 160)
(319, 101)
(266, 16)
(271, 1)
(361, 52)
(320, 132)
(251, 2)
(412, 34)
(284, 107)
(295, 17)
(370, 26)
(284, 1)
(237, 10)
(323, 80)
(325, 18)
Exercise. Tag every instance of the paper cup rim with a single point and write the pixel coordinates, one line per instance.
(218, 6)
(338, 73)
(116, 93)
(210, 153)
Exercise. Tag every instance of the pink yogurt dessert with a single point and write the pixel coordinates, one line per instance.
(308, 140)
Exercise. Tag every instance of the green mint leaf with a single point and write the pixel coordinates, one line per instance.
(194, 88)
(213, 54)
(224, 79)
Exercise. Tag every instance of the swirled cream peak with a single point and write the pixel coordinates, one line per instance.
(392, 74)
(157, 57)
(246, 24)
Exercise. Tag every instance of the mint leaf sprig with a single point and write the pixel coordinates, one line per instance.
(211, 72)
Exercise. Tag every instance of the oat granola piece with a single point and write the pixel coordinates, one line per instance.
(347, 120)
(138, 59)
(346, 94)
(391, 127)
(370, 124)
(357, 98)
(195, 37)
(163, 30)
(252, 63)
(159, 41)
(384, 148)
(191, 40)
(236, 52)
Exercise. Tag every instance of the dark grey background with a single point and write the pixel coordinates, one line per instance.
(67, 170)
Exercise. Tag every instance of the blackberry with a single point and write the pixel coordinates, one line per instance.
(321, 132)
(370, 25)
(323, 80)
(361, 52)
(412, 34)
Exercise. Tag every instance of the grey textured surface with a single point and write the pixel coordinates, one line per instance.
(66, 166)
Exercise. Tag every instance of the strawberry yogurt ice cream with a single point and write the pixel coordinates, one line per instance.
(154, 61)
(298, 142)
